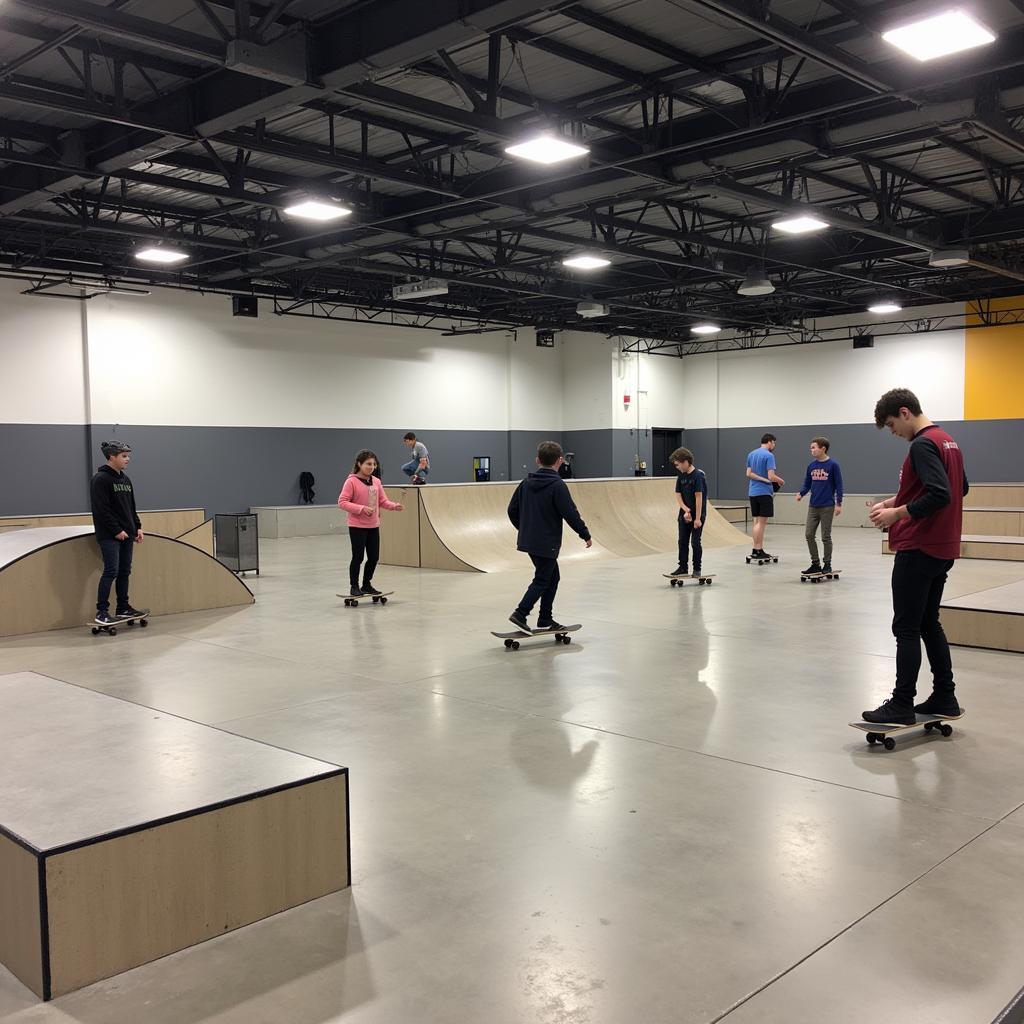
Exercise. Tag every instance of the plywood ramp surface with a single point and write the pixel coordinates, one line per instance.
(170, 522)
(1001, 495)
(467, 526)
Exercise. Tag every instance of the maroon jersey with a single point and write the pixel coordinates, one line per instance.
(932, 486)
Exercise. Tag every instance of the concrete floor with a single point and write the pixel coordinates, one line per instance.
(667, 821)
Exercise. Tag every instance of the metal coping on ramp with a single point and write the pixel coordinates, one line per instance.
(465, 527)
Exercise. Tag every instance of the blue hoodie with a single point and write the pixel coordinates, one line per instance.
(825, 482)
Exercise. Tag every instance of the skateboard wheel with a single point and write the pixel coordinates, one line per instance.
(515, 645)
(928, 726)
(383, 600)
(872, 739)
(95, 631)
(376, 600)
(143, 622)
(112, 631)
(508, 645)
(709, 582)
(946, 730)
(889, 743)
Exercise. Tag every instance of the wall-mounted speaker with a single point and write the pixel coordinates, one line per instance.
(545, 338)
(864, 341)
(245, 305)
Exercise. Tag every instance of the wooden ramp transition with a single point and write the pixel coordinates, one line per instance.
(465, 527)
(48, 578)
(990, 618)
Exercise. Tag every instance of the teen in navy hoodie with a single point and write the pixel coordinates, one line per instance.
(825, 482)
(538, 508)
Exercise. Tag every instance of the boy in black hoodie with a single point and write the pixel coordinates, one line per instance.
(537, 509)
(118, 528)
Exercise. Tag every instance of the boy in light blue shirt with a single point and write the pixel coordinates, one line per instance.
(763, 483)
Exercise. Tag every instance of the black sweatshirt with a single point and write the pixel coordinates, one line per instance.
(927, 464)
(113, 504)
(537, 509)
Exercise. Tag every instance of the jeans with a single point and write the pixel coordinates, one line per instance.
(365, 543)
(544, 586)
(412, 468)
(917, 582)
(687, 535)
(823, 515)
(117, 565)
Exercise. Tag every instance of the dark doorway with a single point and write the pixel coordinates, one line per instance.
(663, 444)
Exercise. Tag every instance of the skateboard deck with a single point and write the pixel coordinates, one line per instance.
(353, 602)
(681, 581)
(884, 733)
(512, 639)
(757, 560)
(111, 628)
(817, 577)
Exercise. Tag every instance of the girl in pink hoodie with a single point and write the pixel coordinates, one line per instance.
(362, 497)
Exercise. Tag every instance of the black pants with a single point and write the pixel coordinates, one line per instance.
(365, 543)
(917, 583)
(688, 535)
(117, 565)
(544, 587)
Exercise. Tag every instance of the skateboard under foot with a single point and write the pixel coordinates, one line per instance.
(758, 560)
(512, 639)
(353, 602)
(681, 581)
(884, 733)
(110, 628)
(817, 577)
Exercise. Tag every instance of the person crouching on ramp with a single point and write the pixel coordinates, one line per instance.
(538, 508)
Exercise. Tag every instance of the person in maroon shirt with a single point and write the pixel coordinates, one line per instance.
(924, 520)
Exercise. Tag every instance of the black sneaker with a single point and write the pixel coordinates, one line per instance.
(369, 591)
(891, 713)
(754, 553)
(131, 613)
(827, 567)
(814, 569)
(104, 619)
(764, 554)
(679, 570)
(354, 591)
(940, 704)
(519, 621)
(550, 625)
(697, 574)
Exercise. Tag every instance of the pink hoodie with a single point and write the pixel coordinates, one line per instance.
(357, 494)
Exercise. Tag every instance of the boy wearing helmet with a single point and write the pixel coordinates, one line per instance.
(118, 528)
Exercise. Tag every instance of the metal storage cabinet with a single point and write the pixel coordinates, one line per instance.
(237, 541)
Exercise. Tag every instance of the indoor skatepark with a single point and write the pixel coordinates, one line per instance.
(249, 240)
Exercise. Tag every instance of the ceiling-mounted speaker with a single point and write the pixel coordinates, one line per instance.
(864, 341)
(245, 305)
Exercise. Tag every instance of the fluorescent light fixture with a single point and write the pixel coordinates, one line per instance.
(885, 307)
(161, 254)
(800, 224)
(586, 261)
(316, 209)
(705, 328)
(755, 283)
(939, 35)
(547, 148)
(949, 258)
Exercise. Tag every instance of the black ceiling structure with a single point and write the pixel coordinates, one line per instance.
(197, 122)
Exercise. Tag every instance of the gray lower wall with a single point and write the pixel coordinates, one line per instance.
(46, 467)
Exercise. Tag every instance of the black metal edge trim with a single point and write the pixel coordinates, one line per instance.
(44, 931)
(348, 829)
(1014, 1012)
(18, 841)
(192, 812)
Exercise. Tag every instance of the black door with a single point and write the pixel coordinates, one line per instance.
(663, 444)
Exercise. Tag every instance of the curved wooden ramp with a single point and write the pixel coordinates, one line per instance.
(48, 578)
(465, 527)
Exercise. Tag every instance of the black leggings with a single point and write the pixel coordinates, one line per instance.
(365, 542)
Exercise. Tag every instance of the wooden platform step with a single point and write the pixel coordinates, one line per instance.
(993, 618)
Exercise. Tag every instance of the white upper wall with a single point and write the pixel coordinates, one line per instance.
(655, 387)
(535, 382)
(586, 380)
(41, 364)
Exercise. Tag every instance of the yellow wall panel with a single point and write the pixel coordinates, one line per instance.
(994, 369)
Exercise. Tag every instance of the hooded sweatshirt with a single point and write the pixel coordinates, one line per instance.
(357, 494)
(538, 508)
(113, 504)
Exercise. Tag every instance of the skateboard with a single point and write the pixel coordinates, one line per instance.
(680, 581)
(817, 577)
(757, 560)
(930, 723)
(511, 640)
(353, 602)
(111, 628)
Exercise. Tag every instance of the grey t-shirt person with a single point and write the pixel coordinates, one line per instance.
(419, 451)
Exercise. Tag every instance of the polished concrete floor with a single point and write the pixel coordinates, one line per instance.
(666, 821)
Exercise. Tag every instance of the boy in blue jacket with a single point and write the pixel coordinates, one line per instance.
(824, 480)
(538, 508)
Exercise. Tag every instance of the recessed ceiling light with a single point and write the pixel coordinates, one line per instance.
(315, 209)
(547, 148)
(885, 307)
(586, 261)
(161, 254)
(799, 225)
(705, 328)
(939, 35)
